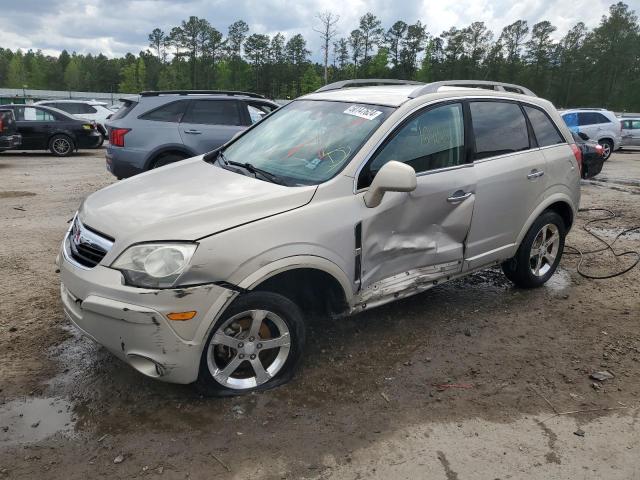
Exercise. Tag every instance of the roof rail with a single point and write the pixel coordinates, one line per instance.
(364, 82)
(155, 93)
(499, 86)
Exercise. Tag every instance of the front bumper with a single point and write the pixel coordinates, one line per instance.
(132, 324)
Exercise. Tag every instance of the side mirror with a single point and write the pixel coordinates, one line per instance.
(392, 177)
(583, 136)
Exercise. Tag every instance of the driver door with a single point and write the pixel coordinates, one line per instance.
(413, 238)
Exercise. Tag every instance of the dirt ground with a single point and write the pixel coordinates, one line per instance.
(367, 403)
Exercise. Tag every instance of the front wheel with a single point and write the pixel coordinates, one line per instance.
(256, 345)
(539, 253)
(61, 145)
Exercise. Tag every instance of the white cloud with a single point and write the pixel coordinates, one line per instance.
(120, 26)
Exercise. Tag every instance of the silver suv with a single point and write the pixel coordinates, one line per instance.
(345, 199)
(158, 128)
(598, 124)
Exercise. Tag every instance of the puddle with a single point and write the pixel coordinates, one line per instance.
(34, 419)
(559, 281)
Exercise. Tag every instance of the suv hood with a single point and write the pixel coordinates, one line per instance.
(185, 201)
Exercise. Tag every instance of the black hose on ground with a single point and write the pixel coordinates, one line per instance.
(607, 246)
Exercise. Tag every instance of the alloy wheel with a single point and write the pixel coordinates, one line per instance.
(544, 250)
(61, 146)
(249, 349)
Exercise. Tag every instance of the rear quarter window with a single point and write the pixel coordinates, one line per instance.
(543, 127)
(171, 112)
(123, 111)
(499, 128)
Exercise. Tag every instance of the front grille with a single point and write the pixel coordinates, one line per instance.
(86, 246)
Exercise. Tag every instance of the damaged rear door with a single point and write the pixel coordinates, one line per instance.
(410, 239)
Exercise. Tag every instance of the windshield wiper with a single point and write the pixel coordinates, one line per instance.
(270, 177)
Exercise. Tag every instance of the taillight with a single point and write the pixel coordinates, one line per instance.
(1, 125)
(600, 150)
(116, 136)
(578, 154)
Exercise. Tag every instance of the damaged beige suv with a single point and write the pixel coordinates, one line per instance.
(361, 193)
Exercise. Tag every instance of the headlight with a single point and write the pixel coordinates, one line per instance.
(154, 265)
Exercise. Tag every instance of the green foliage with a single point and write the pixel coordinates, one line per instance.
(600, 67)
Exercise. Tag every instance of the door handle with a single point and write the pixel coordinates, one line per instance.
(459, 196)
(193, 132)
(535, 173)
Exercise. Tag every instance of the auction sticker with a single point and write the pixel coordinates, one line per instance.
(362, 112)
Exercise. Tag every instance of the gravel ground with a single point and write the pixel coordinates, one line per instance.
(367, 403)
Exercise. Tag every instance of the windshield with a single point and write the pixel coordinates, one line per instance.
(307, 142)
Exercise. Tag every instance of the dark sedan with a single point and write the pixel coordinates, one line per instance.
(592, 155)
(46, 128)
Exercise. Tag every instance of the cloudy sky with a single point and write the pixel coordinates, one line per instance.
(115, 27)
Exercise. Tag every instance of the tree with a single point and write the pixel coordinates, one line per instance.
(512, 39)
(356, 41)
(477, 39)
(235, 38)
(72, 74)
(372, 31)
(327, 32)
(158, 41)
(297, 56)
(411, 46)
(16, 75)
(394, 38)
(256, 48)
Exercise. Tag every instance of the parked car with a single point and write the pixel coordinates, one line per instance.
(159, 128)
(599, 124)
(592, 155)
(9, 136)
(46, 128)
(91, 110)
(630, 131)
(345, 199)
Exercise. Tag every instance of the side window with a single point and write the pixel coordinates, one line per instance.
(600, 118)
(31, 114)
(72, 108)
(625, 124)
(432, 139)
(171, 112)
(499, 128)
(85, 108)
(544, 129)
(213, 112)
(257, 111)
(591, 118)
(635, 124)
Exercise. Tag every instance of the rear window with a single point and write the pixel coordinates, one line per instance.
(499, 128)
(544, 129)
(123, 111)
(214, 112)
(171, 112)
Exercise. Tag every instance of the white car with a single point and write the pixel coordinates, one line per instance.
(630, 131)
(85, 110)
(598, 124)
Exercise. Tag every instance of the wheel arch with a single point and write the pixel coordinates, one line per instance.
(559, 203)
(308, 279)
(164, 149)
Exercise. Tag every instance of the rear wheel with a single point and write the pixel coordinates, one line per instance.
(166, 159)
(539, 253)
(256, 345)
(61, 145)
(607, 148)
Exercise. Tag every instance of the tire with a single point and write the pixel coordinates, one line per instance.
(61, 145)
(230, 346)
(99, 144)
(607, 146)
(166, 159)
(530, 268)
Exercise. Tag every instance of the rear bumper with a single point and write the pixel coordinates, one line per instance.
(123, 162)
(10, 141)
(89, 141)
